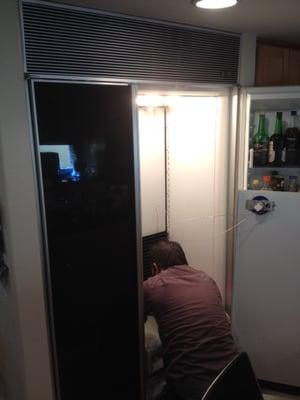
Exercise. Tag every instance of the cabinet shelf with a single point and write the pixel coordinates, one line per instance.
(271, 168)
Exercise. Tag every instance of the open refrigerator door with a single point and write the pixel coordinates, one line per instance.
(266, 301)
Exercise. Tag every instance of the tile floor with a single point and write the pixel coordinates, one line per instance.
(268, 395)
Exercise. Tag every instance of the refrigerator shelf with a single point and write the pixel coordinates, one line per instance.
(270, 168)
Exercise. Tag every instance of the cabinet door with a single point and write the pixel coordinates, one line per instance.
(271, 65)
(294, 67)
(86, 153)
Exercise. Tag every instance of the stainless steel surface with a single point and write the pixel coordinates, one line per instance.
(138, 238)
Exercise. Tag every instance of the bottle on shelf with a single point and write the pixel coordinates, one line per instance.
(292, 185)
(250, 161)
(292, 140)
(260, 144)
(277, 143)
(277, 182)
(256, 184)
(266, 182)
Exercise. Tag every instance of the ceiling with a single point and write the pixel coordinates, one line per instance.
(273, 19)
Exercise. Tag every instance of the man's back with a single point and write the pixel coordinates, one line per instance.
(193, 326)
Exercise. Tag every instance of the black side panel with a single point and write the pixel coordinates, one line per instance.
(86, 149)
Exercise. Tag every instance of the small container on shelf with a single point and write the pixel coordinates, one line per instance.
(255, 183)
(292, 185)
(266, 185)
(277, 182)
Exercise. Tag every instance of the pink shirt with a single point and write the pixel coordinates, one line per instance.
(193, 326)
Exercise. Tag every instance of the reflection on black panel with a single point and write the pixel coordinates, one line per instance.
(86, 153)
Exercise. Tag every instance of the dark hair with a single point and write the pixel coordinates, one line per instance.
(167, 254)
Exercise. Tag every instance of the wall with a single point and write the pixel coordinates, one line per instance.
(247, 59)
(24, 365)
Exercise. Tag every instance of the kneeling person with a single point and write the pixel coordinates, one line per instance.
(193, 326)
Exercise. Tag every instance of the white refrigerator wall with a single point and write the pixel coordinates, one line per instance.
(266, 296)
(197, 166)
(152, 169)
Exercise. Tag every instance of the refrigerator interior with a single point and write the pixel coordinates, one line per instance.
(183, 143)
(265, 309)
(269, 103)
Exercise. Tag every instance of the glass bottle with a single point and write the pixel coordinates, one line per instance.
(260, 143)
(255, 183)
(292, 184)
(266, 183)
(277, 143)
(292, 137)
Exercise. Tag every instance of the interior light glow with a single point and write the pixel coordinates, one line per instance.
(156, 101)
(215, 4)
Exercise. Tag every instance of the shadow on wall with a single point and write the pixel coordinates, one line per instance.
(3, 388)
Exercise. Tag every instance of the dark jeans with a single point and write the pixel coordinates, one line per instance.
(184, 391)
(169, 394)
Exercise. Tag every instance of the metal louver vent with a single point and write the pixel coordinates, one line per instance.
(70, 41)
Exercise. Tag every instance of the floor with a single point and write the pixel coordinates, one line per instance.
(268, 395)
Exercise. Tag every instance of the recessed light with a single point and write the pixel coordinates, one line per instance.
(215, 4)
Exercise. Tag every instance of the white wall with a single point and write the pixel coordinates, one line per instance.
(247, 59)
(24, 358)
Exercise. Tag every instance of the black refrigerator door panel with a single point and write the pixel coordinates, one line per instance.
(85, 145)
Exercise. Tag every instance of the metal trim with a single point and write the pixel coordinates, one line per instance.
(21, 22)
(166, 170)
(232, 201)
(139, 244)
(43, 238)
(143, 85)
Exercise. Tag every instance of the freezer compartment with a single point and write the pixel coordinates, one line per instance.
(266, 300)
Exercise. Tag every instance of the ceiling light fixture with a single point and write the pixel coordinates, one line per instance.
(215, 4)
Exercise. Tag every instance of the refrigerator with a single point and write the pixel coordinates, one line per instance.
(85, 160)
(266, 279)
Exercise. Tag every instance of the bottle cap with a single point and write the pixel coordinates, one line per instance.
(293, 112)
(279, 114)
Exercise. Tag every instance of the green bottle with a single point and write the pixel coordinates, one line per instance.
(261, 143)
(277, 143)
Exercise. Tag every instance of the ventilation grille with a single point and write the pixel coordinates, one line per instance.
(69, 41)
(148, 242)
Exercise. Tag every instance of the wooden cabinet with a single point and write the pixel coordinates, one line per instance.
(277, 65)
(294, 67)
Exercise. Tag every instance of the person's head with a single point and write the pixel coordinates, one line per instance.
(165, 254)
